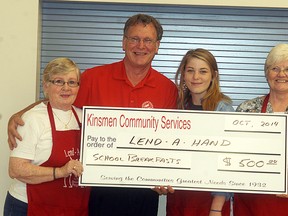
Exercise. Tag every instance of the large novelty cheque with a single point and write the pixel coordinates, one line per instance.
(191, 150)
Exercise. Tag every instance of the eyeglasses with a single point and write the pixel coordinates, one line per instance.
(278, 70)
(137, 40)
(70, 83)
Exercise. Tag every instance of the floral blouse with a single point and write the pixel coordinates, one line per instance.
(255, 106)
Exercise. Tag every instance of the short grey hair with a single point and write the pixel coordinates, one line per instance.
(60, 66)
(278, 53)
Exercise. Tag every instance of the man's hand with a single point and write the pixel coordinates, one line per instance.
(13, 123)
(282, 195)
(161, 190)
(13, 134)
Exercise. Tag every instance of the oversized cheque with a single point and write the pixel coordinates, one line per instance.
(193, 150)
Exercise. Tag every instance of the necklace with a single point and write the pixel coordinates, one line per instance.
(65, 124)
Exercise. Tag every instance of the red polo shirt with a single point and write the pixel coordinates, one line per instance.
(108, 85)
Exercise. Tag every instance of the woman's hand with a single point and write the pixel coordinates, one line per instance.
(163, 190)
(71, 167)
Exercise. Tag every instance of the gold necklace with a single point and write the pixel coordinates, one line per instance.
(66, 124)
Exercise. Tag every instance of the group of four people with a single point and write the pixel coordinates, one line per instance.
(46, 176)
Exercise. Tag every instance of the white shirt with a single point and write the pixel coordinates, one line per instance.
(36, 144)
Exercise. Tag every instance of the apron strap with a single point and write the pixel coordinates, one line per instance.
(51, 117)
(265, 103)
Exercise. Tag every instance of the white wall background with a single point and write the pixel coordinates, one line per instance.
(19, 59)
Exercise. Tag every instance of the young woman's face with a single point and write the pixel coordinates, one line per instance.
(62, 97)
(197, 77)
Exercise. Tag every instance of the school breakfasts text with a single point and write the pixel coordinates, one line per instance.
(139, 122)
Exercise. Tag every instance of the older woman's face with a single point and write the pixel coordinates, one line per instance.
(277, 77)
(62, 97)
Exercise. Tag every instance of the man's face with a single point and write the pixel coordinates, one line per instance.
(140, 45)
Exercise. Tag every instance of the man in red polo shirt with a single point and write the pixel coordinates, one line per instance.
(109, 85)
(131, 82)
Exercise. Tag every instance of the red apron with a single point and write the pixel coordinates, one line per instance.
(62, 196)
(260, 204)
(192, 203)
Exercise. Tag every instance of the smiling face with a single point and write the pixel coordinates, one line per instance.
(197, 77)
(62, 97)
(140, 54)
(277, 77)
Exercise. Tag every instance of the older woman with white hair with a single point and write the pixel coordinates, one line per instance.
(45, 165)
(276, 73)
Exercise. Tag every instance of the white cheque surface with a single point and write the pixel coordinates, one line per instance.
(191, 150)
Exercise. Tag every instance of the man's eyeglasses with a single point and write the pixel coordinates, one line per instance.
(278, 70)
(70, 83)
(137, 40)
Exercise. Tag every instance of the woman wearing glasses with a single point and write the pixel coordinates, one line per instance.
(45, 165)
(276, 101)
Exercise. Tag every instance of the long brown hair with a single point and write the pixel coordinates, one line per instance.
(213, 95)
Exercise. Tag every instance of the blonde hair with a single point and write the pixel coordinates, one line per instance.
(213, 95)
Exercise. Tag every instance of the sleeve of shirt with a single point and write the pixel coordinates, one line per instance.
(224, 107)
(227, 195)
(240, 107)
(30, 133)
(252, 105)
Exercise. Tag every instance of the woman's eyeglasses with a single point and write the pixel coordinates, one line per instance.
(70, 83)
